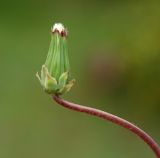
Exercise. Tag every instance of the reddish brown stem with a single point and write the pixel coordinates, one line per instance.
(115, 119)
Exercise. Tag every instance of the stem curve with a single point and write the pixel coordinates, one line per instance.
(115, 119)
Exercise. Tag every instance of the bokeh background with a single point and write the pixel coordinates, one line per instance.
(114, 49)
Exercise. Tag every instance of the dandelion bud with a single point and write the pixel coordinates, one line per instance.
(55, 74)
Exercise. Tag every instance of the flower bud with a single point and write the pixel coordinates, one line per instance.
(55, 74)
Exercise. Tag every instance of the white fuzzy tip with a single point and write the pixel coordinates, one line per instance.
(58, 27)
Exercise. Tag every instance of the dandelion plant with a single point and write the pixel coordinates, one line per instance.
(55, 79)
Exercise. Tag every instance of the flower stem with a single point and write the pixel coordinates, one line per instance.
(115, 119)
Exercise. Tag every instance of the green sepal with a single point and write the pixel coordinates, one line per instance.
(67, 87)
(44, 72)
(63, 80)
(37, 75)
(50, 85)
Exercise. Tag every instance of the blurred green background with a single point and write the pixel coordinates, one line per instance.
(114, 49)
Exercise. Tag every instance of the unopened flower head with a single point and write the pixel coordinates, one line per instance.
(55, 74)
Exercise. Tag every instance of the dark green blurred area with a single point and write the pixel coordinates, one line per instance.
(114, 49)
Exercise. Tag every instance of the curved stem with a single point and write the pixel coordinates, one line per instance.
(115, 119)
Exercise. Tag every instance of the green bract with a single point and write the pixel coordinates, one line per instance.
(55, 74)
